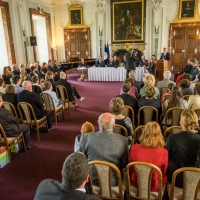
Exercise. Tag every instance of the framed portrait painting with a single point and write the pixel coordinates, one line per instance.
(128, 21)
(186, 9)
(75, 16)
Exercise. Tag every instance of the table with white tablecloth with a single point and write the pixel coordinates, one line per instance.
(106, 74)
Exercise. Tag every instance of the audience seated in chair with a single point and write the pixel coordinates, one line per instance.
(136, 84)
(32, 98)
(170, 86)
(11, 127)
(185, 87)
(75, 174)
(6, 75)
(16, 81)
(151, 150)
(48, 89)
(50, 77)
(116, 106)
(133, 90)
(2, 86)
(87, 127)
(149, 80)
(105, 145)
(183, 147)
(194, 100)
(166, 81)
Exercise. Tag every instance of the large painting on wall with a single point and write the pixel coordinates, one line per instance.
(128, 21)
(186, 9)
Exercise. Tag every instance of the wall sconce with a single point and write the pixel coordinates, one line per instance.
(69, 53)
(86, 53)
(195, 50)
(197, 32)
(86, 36)
(68, 37)
(174, 33)
(173, 51)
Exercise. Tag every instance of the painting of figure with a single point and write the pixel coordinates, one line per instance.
(76, 17)
(127, 21)
(187, 8)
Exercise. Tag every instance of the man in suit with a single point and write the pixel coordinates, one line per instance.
(165, 55)
(105, 145)
(100, 62)
(75, 174)
(11, 127)
(130, 65)
(32, 98)
(113, 62)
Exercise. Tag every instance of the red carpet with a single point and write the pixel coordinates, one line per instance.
(19, 180)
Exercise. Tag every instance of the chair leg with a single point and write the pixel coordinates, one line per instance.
(38, 133)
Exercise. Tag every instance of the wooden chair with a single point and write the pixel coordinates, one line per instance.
(129, 112)
(191, 184)
(137, 132)
(175, 115)
(163, 90)
(186, 97)
(119, 129)
(27, 116)
(49, 105)
(11, 107)
(104, 171)
(148, 114)
(172, 130)
(62, 94)
(10, 142)
(144, 176)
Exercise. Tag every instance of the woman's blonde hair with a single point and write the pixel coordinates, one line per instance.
(87, 127)
(189, 121)
(152, 136)
(116, 105)
(149, 79)
(131, 74)
(150, 91)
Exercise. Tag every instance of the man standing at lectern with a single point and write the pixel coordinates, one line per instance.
(165, 55)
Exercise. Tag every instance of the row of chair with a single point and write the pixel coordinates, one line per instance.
(103, 169)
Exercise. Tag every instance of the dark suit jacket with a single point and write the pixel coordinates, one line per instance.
(186, 69)
(9, 122)
(113, 64)
(165, 56)
(33, 99)
(110, 147)
(194, 71)
(53, 84)
(182, 149)
(98, 64)
(130, 64)
(11, 98)
(53, 190)
(68, 86)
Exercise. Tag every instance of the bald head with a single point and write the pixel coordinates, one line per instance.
(27, 85)
(106, 122)
(62, 75)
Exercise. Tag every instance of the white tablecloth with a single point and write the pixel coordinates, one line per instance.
(106, 74)
(139, 74)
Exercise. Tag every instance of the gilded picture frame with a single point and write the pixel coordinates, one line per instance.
(187, 9)
(128, 21)
(75, 14)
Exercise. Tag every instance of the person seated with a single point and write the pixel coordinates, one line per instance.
(106, 146)
(100, 62)
(128, 99)
(149, 80)
(37, 88)
(16, 81)
(183, 147)
(2, 86)
(150, 150)
(151, 68)
(23, 73)
(75, 174)
(194, 100)
(48, 89)
(113, 62)
(87, 127)
(44, 69)
(137, 84)
(165, 82)
(10, 96)
(33, 71)
(50, 77)
(15, 70)
(83, 70)
(133, 90)
(185, 87)
(11, 127)
(72, 91)
(7, 75)
(170, 86)
(32, 98)
(116, 107)
(38, 69)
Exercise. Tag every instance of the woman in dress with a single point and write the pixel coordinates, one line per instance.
(6, 75)
(150, 150)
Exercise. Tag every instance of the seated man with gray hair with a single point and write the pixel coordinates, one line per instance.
(166, 80)
(106, 146)
(75, 174)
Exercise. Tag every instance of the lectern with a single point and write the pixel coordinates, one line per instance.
(161, 66)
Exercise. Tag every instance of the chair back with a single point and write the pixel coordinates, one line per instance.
(48, 101)
(104, 171)
(137, 132)
(37, 89)
(163, 90)
(129, 112)
(191, 183)
(186, 97)
(144, 177)
(11, 107)
(61, 92)
(27, 113)
(172, 130)
(175, 114)
(149, 113)
(3, 137)
(119, 129)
